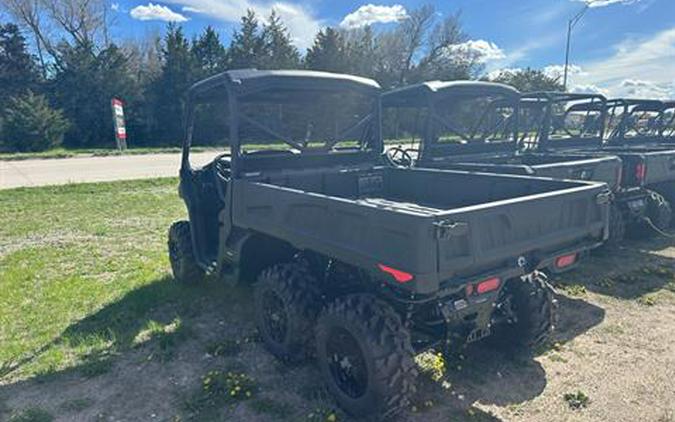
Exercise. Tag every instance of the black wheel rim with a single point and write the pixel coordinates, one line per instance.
(346, 363)
(275, 320)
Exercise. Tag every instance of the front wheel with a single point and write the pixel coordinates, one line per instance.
(528, 314)
(365, 354)
(184, 266)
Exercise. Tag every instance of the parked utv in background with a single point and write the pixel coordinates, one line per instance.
(363, 263)
(482, 126)
(634, 133)
(668, 123)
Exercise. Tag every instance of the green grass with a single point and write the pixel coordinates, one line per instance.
(83, 274)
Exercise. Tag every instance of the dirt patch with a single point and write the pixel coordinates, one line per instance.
(613, 359)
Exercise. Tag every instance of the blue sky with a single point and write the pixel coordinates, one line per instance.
(620, 47)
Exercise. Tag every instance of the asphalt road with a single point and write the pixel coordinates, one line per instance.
(58, 171)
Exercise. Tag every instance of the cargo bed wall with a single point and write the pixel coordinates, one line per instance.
(559, 166)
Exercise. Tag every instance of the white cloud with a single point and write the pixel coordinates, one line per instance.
(191, 9)
(603, 3)
(156, 12)
(558, 71)
(478, 50)
(115, 7)
(369, 14)
(638, 67)
(588, 89)
(299, 20)
(638, 88)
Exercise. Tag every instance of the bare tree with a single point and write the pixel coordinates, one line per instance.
(53, 22)
(412, 32)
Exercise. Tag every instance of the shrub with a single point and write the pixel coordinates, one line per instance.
(30, 124)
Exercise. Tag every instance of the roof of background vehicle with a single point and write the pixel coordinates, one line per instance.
(541, 98)
(641, 104)
(420, 94)
(245, 82)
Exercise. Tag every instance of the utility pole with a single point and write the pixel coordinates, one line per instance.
(570, 25)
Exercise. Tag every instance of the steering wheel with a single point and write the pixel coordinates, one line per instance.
(399, 157)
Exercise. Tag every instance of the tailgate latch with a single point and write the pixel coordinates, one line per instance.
(603, 198)
(446, 229)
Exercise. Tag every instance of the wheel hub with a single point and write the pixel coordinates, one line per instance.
(347, 364)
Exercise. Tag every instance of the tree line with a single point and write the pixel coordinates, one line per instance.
(59, 92)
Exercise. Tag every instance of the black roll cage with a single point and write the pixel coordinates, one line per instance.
(253, 85)
(547, 101)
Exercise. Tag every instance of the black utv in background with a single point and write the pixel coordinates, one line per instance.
(482, 126)
(360, 263)
(667, 123)
(634, 132)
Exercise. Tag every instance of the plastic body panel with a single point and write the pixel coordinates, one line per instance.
(437, 225)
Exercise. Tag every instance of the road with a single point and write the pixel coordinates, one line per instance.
(60, 171)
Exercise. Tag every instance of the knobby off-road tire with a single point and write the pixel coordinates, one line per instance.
(536, 313)
(287, 301)
(365, 355)
(659, 211)
(183, 263)
(617, 227)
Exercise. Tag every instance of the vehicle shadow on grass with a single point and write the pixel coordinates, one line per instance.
(636, 268)
(116, 327)
(123, 350)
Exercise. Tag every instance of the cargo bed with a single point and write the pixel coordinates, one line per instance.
(437, 225)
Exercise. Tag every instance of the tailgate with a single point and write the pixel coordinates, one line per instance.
(487, 236)
(660, 166)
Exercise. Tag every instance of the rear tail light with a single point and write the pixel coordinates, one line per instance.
(565, 260)
(485, 286)
(640, 172)
(400, 276)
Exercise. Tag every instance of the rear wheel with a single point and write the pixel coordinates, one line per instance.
(528, 314)
(183, 263)
(365, 355)
(287, 301)
(659, 210)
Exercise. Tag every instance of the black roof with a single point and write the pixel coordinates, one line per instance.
(544, 97)
(246, 82)
(564, 96)
(640, 104)
(420, 94)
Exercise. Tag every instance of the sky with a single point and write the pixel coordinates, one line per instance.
(619, 47)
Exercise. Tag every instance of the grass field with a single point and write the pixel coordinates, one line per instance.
(92, 327)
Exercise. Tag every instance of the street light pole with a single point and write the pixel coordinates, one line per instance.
(570, 25)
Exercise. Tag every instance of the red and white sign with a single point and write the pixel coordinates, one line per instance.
(118, 120)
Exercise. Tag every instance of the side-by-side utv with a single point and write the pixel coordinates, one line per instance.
(482, 126)
(358, 262)
(634, 132)
(668, 123)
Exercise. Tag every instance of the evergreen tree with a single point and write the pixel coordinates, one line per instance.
(18, 72)
(167, 92)
(209, 54)
(83, 87)
(328, 52)
(529, 80)
(247, 47)
(280, 53)
(31, 124)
